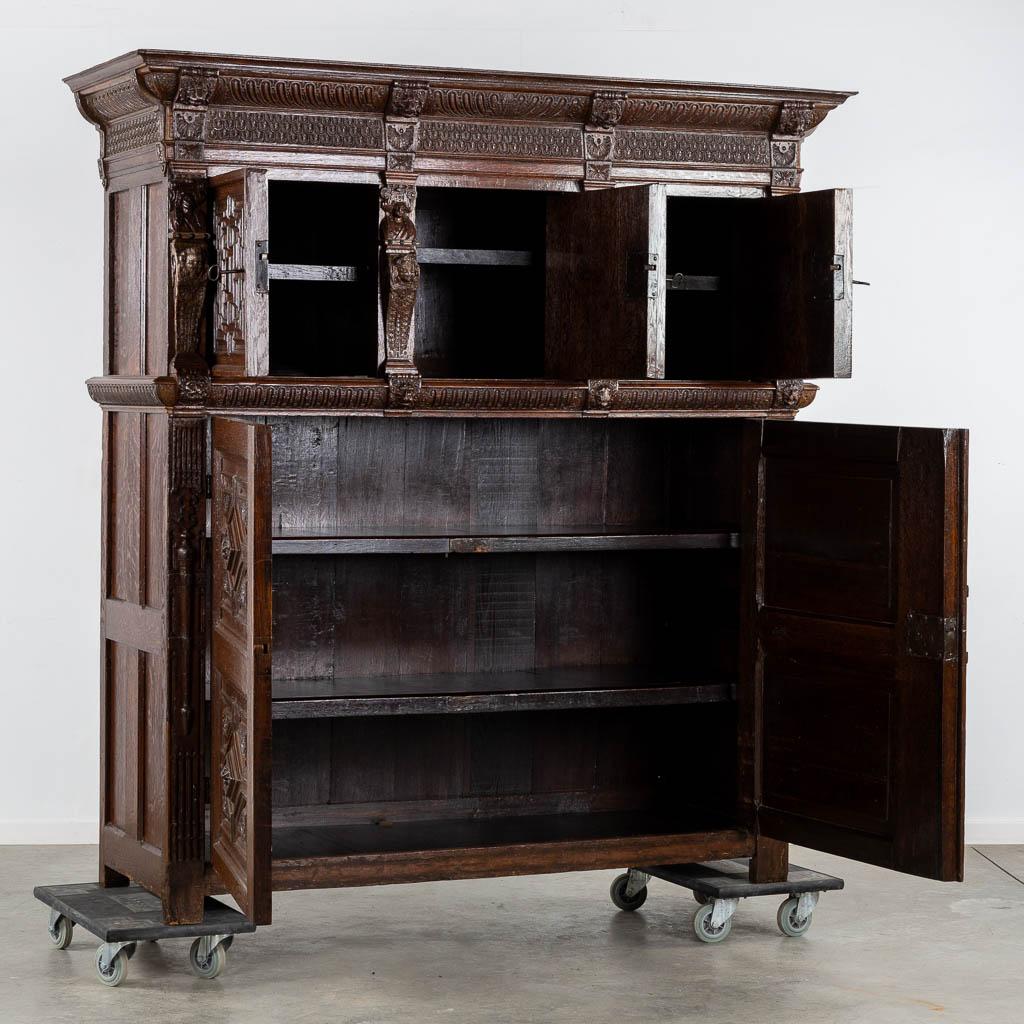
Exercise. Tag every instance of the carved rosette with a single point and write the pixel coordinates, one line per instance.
(190, 264)
(606, 110)
(400, 274)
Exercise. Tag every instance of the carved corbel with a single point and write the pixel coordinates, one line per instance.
(188, 112)
(789, 394)
(190, 263)
(400, 276)
(601, 393)
(799, 118)
(606, 110)
(402, 128)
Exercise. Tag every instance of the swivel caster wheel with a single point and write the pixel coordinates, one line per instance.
(207, 963)
(790, 921)
(706, 929)
(622, 898)
(116, 970)
(61, 931)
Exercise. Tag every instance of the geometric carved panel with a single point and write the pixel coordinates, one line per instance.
(234, 756)
(233, 570)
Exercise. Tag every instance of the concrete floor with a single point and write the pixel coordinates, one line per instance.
(548, 949)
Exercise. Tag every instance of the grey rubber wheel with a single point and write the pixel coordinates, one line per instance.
(702, 898)
(117, 971)
(62, 932)
(703, 928)
(210, 966)
(621, 900)
(788, 922)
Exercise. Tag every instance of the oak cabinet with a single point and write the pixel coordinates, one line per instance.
(454, 520)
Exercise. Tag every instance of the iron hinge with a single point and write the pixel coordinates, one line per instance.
(932, 636)
(838, 276)
(263, 266)
(642, 274)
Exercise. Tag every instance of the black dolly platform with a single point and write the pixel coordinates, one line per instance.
(122, 917)
(719, 885)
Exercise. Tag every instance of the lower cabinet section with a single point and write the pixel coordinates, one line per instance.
(365, 800)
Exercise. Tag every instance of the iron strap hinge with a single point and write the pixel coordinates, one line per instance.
(932, 636)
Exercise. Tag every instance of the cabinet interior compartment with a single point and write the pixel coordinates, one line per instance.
(531, 683)
(480, 304)
(709, 285)
(323, 278)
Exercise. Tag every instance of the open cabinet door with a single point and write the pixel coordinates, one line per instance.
(855, 548)
(241, 305)
(240, 709)
(795, 259)
(605, 290)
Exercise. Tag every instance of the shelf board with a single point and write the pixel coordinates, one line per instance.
(475, 257)
(505, 542)
(308, 272)
(478, 692)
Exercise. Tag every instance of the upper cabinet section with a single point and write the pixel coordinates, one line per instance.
(569, 244)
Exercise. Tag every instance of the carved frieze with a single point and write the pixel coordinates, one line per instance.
(133, 391)
(501, 140)
(288, 395)
(133, 133)
(260, 128)
(641, 146)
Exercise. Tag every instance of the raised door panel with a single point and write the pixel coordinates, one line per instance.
(240, 767)
(856, 546)
(605, 293)
(239, 209)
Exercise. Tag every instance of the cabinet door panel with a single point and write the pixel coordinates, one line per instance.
(240, 712)
(856, 546)
(238, 202)
(796, 256)
(605, 293)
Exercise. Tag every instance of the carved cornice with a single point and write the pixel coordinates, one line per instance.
(199, 100)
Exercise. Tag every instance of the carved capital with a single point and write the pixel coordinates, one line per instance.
(606, 109)
(799, 118)
(407, 98)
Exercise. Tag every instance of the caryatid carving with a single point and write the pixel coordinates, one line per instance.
(190, 263)
(401, 274)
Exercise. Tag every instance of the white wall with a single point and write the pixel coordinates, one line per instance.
(933, 147)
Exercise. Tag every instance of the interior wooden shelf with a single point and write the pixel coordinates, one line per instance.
(292, 842)
(589, 539)
(475, 257)
(540, 689)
